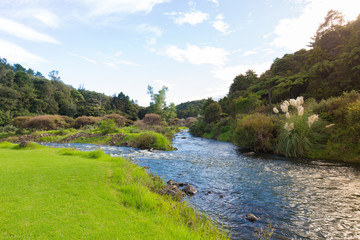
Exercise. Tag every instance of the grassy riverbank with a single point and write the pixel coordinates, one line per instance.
(66, 194)
(157, 138)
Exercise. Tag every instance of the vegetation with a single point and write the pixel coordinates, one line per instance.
(66, 194)
(327, 76)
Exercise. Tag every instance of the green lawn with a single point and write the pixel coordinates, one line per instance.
(65, 194)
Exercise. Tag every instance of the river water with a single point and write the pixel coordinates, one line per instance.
(303, 199)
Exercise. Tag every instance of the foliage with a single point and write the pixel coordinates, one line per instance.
(212, 112)
(45, 122)
(189, 109)
(256, 132)
(302, 135)
(152, 119)
(158, 103)
(150, 140)
(85, 120)
(24, 92)
(265, 233)
(107, 126)
(118, 119)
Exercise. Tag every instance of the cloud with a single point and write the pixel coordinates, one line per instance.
(214, 1)
(16, 54)
(108, 7)
(46, 17)
(192, 18)
(146, 28)
(83, 58)
(230, 72)
(21, 31)
(219, 24)
(197, 55)
(295, 33)
(155, 31)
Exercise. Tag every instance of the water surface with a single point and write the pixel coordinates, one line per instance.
(304, 199)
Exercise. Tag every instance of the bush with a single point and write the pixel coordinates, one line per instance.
(190, 121)
(152, 140)
(145, 141)
(119, 120)
(20, 122)
(152, 119)
(48, 122)
(256, 132)
(212, 112)
(335, 109)
(85, 120)
(107, 126)
(7, 129)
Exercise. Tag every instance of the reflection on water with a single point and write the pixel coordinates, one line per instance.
(304, 199)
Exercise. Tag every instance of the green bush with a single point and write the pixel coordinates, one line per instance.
(256, 132)
(152, 140)
(107, 126)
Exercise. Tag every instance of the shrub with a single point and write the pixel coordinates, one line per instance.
(7, 129)
(119, 120)
(107, 126)
(190, 121)
(152, 119)
(256, 132)
(20, 122)
(48, 122)
(212, 112)
(152, 140)
(85, 120)
(335, 109)
(145, 141)
(302, 134)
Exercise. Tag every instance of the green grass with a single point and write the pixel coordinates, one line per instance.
(66, 194)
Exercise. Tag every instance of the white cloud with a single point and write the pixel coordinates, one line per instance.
(16, 54)
(198, 55)
(155, 31)
(108, 7)
(295, 33)
(192, 18)
(220, 25)
(248, 53)
(229, 73)
(21, 31)
(146, 28)
(46, 17)
(83, 58)
(214, 1)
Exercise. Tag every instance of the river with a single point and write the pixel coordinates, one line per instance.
(303, 199)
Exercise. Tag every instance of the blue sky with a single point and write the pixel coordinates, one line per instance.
(195, 48)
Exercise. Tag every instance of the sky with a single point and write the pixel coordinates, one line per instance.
(194, 47)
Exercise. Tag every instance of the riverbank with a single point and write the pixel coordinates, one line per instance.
(66, 194)
(300, 128)
(131, 136)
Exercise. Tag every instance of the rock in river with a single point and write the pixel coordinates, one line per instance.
(189, 190)
(251, 217)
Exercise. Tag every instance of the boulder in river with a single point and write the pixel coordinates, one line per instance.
(172, 190)
(251, 217)
(189, 190)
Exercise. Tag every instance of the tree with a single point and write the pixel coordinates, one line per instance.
(212, 112)
(54, 75)
(158, 103)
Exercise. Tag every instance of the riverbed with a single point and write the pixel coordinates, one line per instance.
(303, 199)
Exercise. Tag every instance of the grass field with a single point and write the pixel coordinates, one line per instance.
(66, 194)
